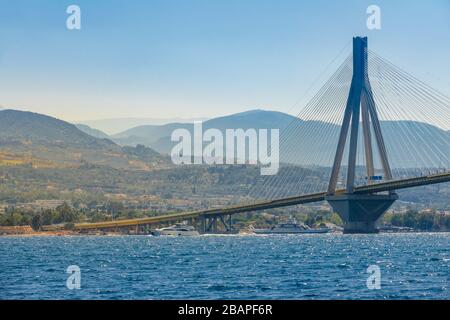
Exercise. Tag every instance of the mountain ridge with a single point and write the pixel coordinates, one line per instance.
(425, 139)
(24, 131)
(42, 128)
(40, 139)
(96, 133)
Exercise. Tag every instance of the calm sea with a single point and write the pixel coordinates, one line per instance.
(327, 266)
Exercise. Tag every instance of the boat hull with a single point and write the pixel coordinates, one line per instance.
(268, 231)
(175, 233)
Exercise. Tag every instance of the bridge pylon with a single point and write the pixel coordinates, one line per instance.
(360, 212)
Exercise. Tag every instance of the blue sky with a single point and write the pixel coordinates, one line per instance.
(201, 58)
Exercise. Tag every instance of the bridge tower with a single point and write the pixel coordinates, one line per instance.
(360, 212)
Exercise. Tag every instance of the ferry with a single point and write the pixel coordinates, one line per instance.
(178, 229)
(291, 227)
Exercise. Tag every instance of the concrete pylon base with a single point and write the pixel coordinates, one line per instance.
(360, 213)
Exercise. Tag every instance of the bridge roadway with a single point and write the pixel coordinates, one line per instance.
(262, 205)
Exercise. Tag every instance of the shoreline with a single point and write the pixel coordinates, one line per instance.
(77, 234)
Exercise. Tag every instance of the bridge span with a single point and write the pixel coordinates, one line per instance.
(262, 205)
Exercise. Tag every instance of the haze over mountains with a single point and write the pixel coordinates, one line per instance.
(48, 138)
(158, 137)
(409, 143)
(117, 125)
(27, 126)
(43, 141)
(92, 132)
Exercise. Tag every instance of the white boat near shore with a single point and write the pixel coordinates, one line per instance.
(178, 229)
(291, 227)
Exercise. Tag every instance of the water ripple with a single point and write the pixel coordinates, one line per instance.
(227, 267)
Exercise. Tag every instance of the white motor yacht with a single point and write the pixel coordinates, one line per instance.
(178, 229)
(290, 227)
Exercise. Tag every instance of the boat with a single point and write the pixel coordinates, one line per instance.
(290, 227)
(178, 229)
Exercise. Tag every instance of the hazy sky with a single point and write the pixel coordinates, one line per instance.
(193, 58)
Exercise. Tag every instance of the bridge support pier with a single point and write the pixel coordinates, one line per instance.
(360, 213)
(209, 225)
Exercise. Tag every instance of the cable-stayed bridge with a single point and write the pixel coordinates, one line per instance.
(378, 128)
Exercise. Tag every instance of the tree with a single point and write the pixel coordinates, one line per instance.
(65, 214)
(69, 226)
(115, 207)
(409, 219)
(47, 217)
(97, 217)
(425, 221)
(334, 218)
(15, 219)
(36, 222)
(397, 220)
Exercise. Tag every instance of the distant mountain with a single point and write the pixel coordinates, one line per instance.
(113, 126)
(408, 143)
(148, 134)
(92, 132)
(27, 137)
(257, 119)
(41, 128)
(158, 137)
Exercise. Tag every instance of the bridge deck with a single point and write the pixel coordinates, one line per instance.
(277, 203)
